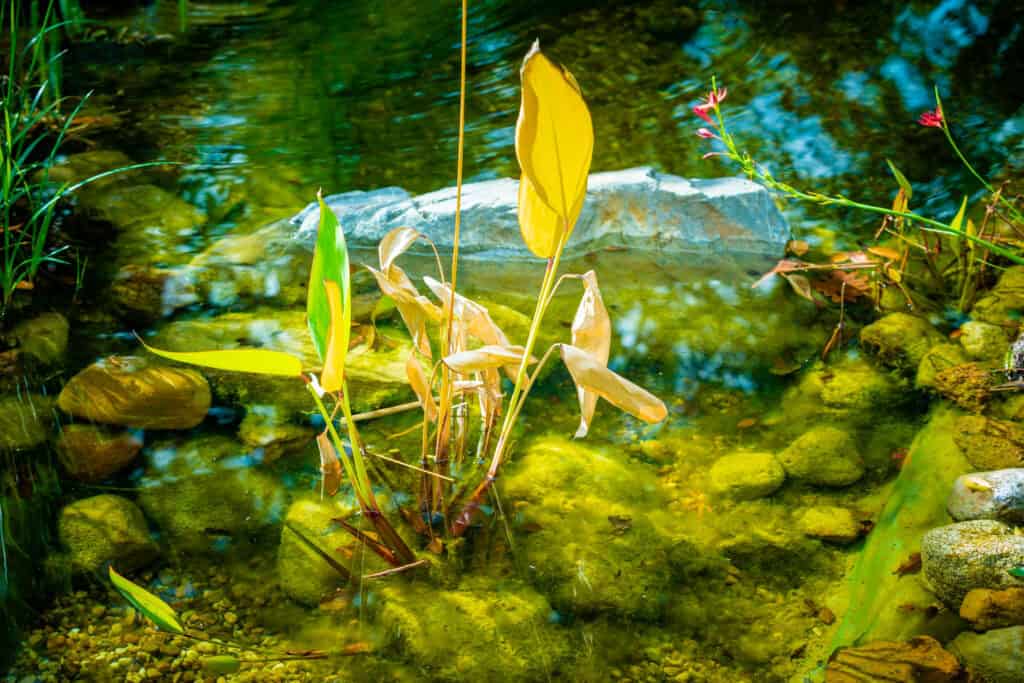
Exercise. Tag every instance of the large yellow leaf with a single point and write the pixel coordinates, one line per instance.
(554, 145)
(258, 361)
(484, 358)
(338, 334)
(617, 390)
(592, 334)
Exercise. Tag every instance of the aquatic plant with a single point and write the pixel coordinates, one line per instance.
(845, 276)
(554, 141)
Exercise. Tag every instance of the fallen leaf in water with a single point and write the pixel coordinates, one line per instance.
(746, 423)
(886, 253)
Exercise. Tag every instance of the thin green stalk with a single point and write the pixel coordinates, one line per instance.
(339, 445)
(984, 183)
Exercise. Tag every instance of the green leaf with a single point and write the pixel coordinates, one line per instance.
(150, 606)
(222, 664)
(330, 262)
(958, 220)
(258, 361)
(1016, 572)
(901, 179)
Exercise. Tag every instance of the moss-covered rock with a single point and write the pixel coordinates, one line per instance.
(938, 358)
(993, 656)
(968, 385)
(207, 494)
(24, 421)
(830, 523)
(958, 558)
(1004, 303)
(988, 443)
(44, 338)
(106, 529)
(136, 392)
(851, 390)
(984, 341)
(900, 340)
(588, 537)
(302, 573)
(481, 631)
(827, 456)
(91, 453)
(746, 476)
(265, 429)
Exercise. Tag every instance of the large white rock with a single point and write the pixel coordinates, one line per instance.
(638, 209)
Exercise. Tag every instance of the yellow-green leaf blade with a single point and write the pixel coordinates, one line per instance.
(330, 262)
(257, 361)
(338, 336)
(149, 605)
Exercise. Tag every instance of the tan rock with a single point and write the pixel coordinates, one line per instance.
(988, 609)
(91, 453)
(919, 659)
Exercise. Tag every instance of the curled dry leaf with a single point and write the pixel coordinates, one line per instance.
(592, 334)
(800, 284)
(421, 386)
(786, 265)
(797, 247)
(474, 319)
(414, 308)
(554, 145)
(488, 357)
(394, 244)
(614, 388)
(330, 465)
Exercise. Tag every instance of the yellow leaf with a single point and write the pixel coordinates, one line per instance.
(615, 389)
(484, 358)
(421, 386)
(591, 333)
(258, 361)
(886, 253)
(554, 145)
(394, 244)
(149, 605)
(337, 341)
(958, 220)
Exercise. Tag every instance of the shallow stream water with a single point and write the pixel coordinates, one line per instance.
(613, 558)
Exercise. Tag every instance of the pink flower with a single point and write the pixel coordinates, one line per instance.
(706, 134)
(932, 119)
(711, 100)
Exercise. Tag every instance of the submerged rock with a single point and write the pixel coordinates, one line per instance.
(1004, 303)
(302, 573)
(984, 341)
(135, 392)
(106, 529)
(90, 453)
(989, 495)
(746, 476)
(24, 421)
(852, 391)
(938, 358)
(900, 340)
(993, 656)
(830, 523)
(987, 609)
(638, 208)
(968, 385)
(978, 554)
(44, 338)
(265, 429)
(989, 444)
(826, 456)
(920, 659)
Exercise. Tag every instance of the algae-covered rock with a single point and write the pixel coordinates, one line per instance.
(44, 338)
(91, 453)
(968, 385)
(989, 444)
(207, 494)
(264, 428)
(484, 630)
(1003, 304)
(135, 392)
(852, 391)
(104, 529)
(746, 476)
(920, 659)
(978, 554)
(938, 358)
(993, 656)
(830, 523)
(148, 293)
(988, 609)
(900, 340)
(588, 537)
(988, 495)
(302, 573)
(826, 456)
(24, 421)
(984, 341)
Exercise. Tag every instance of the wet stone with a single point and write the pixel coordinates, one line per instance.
(938, 358)
(746, 476)
(24, 421)
(998, 494)
(825, 456)
(920, 659)
(988, 443)
(831, 524)
(960, 557)
(302, 573)
(1004, 303)
(993, 656)
(988, 609)
(106, 528)
(44, 338)
(984, 341)
(91, 453)
(900, 340)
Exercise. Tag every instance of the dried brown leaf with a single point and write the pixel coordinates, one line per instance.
(394, 244)
(591, 333)
(421, 386)
(615, 389)
(485, 358)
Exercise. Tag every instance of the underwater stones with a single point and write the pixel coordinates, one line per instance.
(44, 338)
(1004, 303)
(988, 495)
(90, 453)
(483, 630)
(638, 208)
(984, 341)
(302, 573)
(852, 390)
(106, 529)
(977, 554)
(24, 421)
(919, 659)
(154, 224)
(746, 476)
(968, 385)
(135, 392)
(587, 530)
(263, 428)
(830, 523)
(900, 340)
(993, 656)
(938, 358)
(826, 456)
(988, 443)
(987, 609)
(149, 293)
